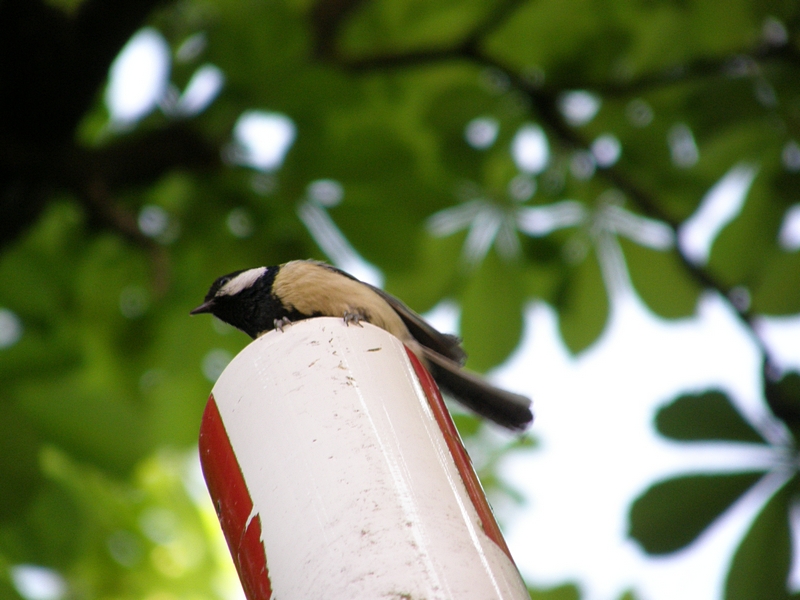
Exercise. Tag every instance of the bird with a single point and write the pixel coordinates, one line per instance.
(262, 299)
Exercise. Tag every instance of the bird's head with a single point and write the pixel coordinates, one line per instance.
(243, 299)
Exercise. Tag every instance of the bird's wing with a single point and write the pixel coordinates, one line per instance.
(446, 344)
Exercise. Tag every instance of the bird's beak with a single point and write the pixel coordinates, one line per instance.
(205, 307)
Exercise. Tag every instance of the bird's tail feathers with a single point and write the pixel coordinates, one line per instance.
(504, 408)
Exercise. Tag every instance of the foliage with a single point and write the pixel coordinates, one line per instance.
(761, 563)
(490, 152)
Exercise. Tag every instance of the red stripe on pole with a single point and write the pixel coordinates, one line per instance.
(460, 456)
(233, 505)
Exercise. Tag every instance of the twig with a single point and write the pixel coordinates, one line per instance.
(110, 214)
(546, 106)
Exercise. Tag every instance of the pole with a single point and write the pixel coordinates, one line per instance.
(336, 472)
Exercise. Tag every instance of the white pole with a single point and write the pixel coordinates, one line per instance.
(337, 473)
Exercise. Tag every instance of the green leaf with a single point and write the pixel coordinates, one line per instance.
(433, 276)
(583, 306)
(568, 591)
(774, 290)
(100, 426)
(703, 417)
(755, 229)
(783, 398)
(53, 528)
(673, 513)
(491, 317)
(449, 114)
(411, 23)
(760, 567)
(468, 425)
(662, 280)
(7, 590)
(19, 466)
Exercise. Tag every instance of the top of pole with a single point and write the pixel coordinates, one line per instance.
(354, 472)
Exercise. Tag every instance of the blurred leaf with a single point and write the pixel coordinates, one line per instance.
(491, 453)
(568, 591)
(99, 426)
(707, 416)
(412, 23)
(661, 280)
(7, 590)
(672, 513)
(50, 530)
(760, 567)
(433, 276)
(783, 398)
(19, 467)
(583, 306)
(773, 289)
(755, 228)
(491, 317)
(467, 424)
(135, 535)
(449, 114)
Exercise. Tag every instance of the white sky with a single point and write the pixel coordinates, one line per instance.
(599, 450)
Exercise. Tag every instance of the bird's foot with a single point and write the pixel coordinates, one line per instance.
(281, 323)
(353, 318)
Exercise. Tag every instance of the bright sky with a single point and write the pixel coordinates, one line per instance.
(599, 450)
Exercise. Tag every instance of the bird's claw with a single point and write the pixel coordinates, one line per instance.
(353, 318)
(281, 323)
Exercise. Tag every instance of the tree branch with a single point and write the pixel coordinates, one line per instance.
(141, 158)
(98, 32)
(109, 214)
(544, 102)
(744, 63)
(327, 17)
(496, 18)
(498, 15)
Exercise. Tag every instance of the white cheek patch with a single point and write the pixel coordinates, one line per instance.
(241, 282)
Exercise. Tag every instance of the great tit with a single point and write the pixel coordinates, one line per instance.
(265, 298)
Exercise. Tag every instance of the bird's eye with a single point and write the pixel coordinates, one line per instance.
(219, 285)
